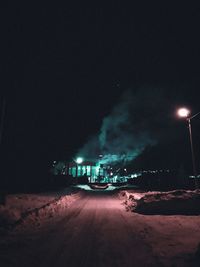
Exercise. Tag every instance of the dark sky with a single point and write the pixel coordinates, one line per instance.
(64, 69)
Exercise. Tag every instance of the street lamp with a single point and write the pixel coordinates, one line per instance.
(185, 113)
(78, 161)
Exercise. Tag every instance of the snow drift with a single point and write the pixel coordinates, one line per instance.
(33, 209)
(167, 203)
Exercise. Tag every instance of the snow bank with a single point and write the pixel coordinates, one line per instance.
(172, 202)
(33, 208)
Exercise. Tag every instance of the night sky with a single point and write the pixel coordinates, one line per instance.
(65, 69)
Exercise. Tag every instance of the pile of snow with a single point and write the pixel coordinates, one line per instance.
(172, 202)
(34, 207)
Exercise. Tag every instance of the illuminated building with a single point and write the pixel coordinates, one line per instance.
(95, 172)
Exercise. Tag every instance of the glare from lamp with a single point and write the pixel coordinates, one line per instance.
(79, 160)
(183, 112)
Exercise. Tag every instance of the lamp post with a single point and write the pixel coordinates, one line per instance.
(185, 113)
(78, 161)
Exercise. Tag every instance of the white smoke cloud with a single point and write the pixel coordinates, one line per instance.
(133, 124)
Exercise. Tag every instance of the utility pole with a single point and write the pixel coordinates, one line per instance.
(193, 155)
(184, 113)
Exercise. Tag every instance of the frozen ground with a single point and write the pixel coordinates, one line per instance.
(97, 231)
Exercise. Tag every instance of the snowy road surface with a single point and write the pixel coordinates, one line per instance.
(96, 231)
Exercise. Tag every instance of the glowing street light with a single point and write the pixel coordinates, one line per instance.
(79, 160)
(184, 113)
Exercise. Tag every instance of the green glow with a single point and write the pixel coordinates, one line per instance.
(79, 160)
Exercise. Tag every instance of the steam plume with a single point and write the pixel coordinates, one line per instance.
(131, 126)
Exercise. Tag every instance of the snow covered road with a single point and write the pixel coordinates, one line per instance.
(96, 231)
